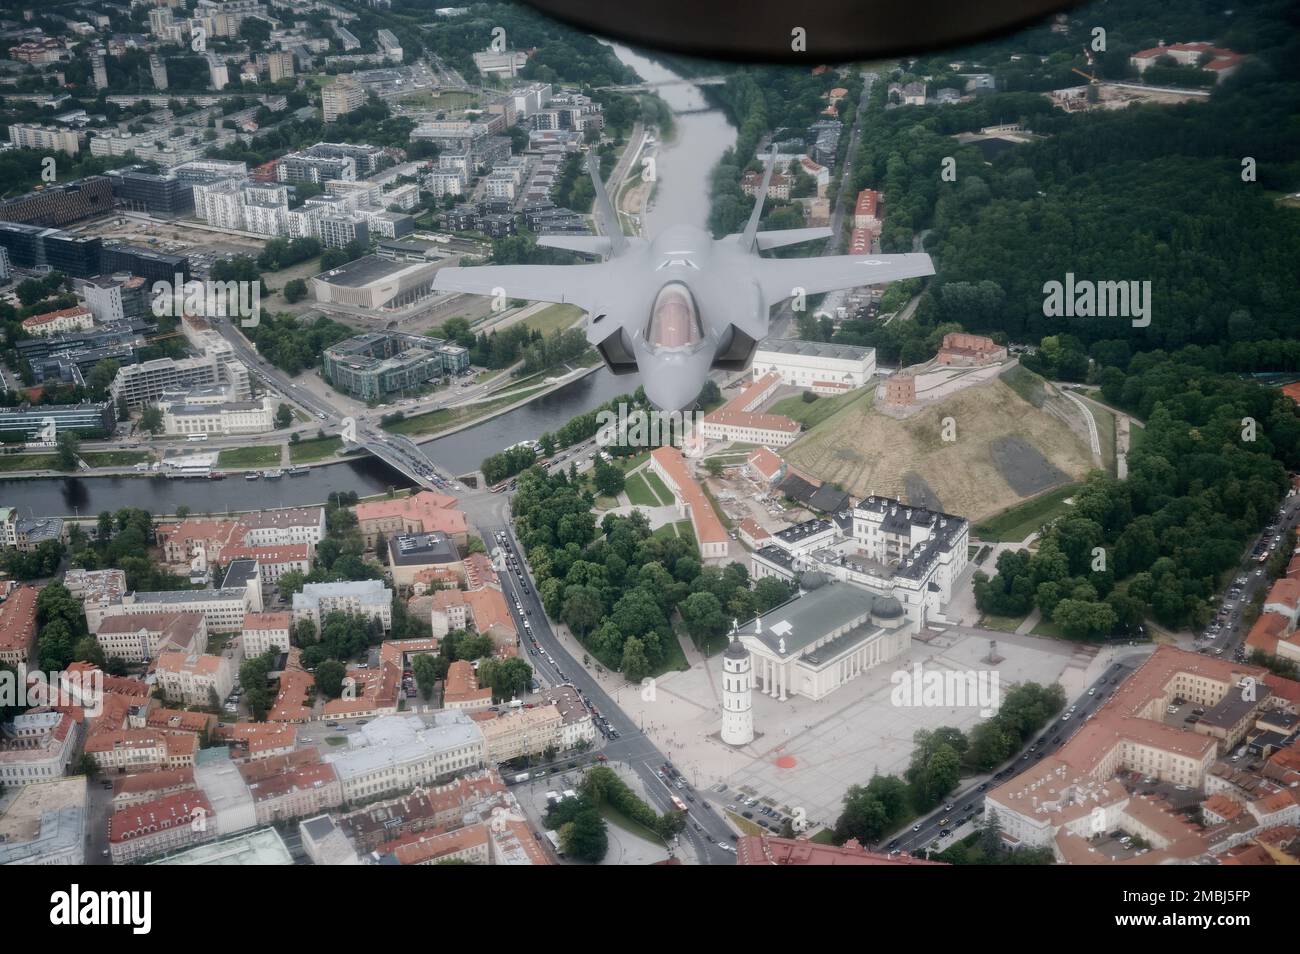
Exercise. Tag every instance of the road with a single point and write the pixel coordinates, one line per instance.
(555, 666)
(845, 202)
(1251, 578)
(1093, 438)
(962, 811)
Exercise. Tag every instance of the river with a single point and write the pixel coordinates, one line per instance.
(681, 196)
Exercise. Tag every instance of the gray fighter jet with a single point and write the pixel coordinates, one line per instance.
(681, 303)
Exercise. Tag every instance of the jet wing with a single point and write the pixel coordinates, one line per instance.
(779, 277)
(563, 284)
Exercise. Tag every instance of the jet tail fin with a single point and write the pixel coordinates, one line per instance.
(605, 214)
(751, 227)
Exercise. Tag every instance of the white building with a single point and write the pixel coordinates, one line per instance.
(263, 631)
(815, 366)
(61, 322)
(737, 694)
(37, 747)
(228, 417)
(194, 679)
(139, 638)
(505, 63)
(223, 609)
(910, 553)
(341, 97)
(395, 753)
(817, 642)
(220, 203)
(50, 138)
(369, 598)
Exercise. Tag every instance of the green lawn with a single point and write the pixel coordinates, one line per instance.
(1046, 627)
(639, 493)
(674, 659)
(115, 458)
(631, 462)
(448, 417)
(812, 413)
(318, 448)
(12, 462)
(619, 820)
(258, 456)
(1018, 522)
(656, 485)
(1007, 624)
(552, 319)
(682, 528)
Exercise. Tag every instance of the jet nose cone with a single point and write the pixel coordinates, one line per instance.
(668, 391)
(672, 382)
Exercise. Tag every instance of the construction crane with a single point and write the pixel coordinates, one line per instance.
(1088, 76)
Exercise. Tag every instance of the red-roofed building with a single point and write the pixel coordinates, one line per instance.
(1284, 598)
(710, 535)
(778, 188)
(175, 821)
(18, 624)
(263, 631)
(291, 698)
(765, 466)
(423, 512)
(470, 844)
(738, 419)
(752, 534)
(142, 750)
(866, 213)
(1218, 60)
(149, 786)
(461, 689)
(771, 850)
(61, 322)
(371, 692)
(1056, 802)
(254, 741)
(273, 561)
(963, 350)
(296, 785)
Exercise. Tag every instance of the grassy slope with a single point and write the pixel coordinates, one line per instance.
(868, 452)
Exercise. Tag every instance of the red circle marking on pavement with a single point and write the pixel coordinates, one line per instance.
(785, 761)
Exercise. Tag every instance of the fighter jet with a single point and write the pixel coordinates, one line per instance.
(681, 303)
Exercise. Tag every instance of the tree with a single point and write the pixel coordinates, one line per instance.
(509, 679)
(329, 678)
(67, 450)
(151, 419)
(428, 672)
(283, 415)
(580, 827)
(608, 479)
(635, 664)
(703, 616)
(583, 609)
(295, 290)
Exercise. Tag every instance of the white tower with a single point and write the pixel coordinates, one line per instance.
(737, 692)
